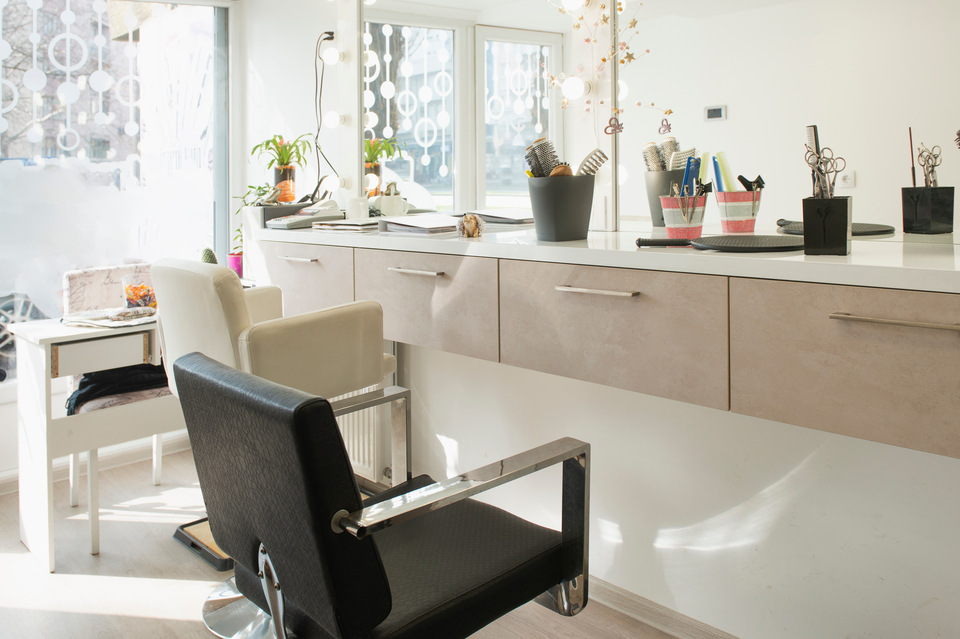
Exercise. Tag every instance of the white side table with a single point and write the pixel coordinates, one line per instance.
(46, 349)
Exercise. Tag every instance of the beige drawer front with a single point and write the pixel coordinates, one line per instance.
(663, 334)
(444, 302)
(891, 383)
(77, 358)
(312, 277)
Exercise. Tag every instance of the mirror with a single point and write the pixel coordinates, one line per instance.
(856, 69)
(502, 113)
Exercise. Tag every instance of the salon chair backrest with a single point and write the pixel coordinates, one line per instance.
(273, 470)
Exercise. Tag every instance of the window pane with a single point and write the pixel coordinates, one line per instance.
(106, 134)
(409, 94)
(517, 112)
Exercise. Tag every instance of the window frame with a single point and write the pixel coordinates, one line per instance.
(469, 109)
(483, 34)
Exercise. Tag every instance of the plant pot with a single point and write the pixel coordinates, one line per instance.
(235, 261)
(373, 185)
(285, 178)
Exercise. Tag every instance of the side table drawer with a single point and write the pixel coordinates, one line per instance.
(445, 302)
(312, 277)
(77, 358)
(885, 367)
(663, 334)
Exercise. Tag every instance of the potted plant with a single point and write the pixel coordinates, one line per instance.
(284, 158)
(375, 151)
(235, 256)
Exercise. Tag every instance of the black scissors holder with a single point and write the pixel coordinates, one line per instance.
(827, 225)
(927, 209)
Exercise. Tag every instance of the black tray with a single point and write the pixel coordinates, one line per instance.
(732, 243)
(859, 228)
(196, 536)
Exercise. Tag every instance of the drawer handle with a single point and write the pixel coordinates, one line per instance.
(304, 260)
(413, 271)
(847, 317)
(563, 288)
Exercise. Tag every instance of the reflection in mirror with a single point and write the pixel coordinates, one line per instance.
(408, 102)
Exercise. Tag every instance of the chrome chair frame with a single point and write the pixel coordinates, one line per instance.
(228, 614)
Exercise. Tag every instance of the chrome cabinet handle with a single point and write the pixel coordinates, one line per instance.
(303, 260)
(413, 271)
(563, 288)
(847, 317)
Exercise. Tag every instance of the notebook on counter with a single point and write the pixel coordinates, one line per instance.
(504, 216)
(362, 225)
(421, 224)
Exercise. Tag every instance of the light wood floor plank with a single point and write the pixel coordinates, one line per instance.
(145, 584)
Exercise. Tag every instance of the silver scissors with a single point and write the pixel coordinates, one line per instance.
(929, 159)
(826, 167)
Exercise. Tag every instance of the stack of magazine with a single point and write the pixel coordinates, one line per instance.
(421, 223)
(362, 225)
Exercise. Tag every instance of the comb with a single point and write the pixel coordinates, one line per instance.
(592, 163)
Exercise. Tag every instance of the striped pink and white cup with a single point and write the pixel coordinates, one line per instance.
(738, 210)
(683, 216)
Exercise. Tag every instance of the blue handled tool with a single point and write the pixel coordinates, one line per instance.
(718, 176)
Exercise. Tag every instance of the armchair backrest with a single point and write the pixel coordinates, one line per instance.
(201, 307)
(273, 470)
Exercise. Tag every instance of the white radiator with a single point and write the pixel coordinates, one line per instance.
(361, 436)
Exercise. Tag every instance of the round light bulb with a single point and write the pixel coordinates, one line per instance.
(573, 88)
(331, 56)
(332, 119)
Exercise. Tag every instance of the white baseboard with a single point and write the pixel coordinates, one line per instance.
(651, 613)
(110, 457)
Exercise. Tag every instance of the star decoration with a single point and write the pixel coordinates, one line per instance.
(629, 57)
(633, 24)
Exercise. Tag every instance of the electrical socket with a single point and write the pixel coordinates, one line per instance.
(848, 179)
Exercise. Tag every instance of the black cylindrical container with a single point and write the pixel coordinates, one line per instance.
(561, 206)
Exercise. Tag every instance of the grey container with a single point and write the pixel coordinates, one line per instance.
(561, 206)
(658, 183)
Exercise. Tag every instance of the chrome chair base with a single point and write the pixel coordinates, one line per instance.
(230, 615)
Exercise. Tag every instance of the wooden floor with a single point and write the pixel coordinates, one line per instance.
(145, 584)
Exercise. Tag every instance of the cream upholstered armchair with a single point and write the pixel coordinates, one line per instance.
(204, 308)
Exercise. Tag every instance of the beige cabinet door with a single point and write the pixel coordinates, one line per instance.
(658, 333)
(312, 277)
(444, 302)
(896, 383)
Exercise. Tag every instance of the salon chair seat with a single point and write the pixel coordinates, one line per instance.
(419, 561)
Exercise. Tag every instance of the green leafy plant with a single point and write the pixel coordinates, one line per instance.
(283, 153)
(377, 149)
(238, 242)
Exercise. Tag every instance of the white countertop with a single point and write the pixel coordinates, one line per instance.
(913, 262)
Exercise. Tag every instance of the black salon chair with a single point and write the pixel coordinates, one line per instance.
(421, 560)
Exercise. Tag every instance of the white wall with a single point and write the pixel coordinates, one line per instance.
(758, 528)
(862, 70)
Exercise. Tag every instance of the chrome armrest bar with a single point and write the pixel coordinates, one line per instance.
(400, 448)
(443, 493)
(369, 399)
(570, 595)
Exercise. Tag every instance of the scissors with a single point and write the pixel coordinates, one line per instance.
(825, 168)
(929, 159)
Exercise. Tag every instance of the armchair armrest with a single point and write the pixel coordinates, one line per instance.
(263, 303)
(449, 491)
(327, 353)
(570, 595)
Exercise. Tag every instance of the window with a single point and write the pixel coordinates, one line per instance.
(409, 94)
(459, 151)
(112, 144)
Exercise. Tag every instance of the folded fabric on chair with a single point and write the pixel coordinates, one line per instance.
(114, 381)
